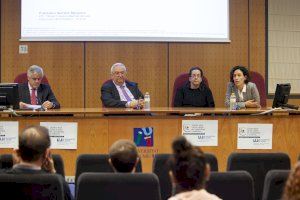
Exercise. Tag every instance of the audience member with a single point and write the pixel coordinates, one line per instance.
(194, 93)
(292, 187)
(189, 172)
(123, 156)
(34, 92)
(119, 92)
(33, 155)
(247, 95)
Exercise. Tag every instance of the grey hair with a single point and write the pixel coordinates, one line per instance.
(117, 65)
(35, 69)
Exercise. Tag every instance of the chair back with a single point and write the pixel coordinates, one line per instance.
(96, 163)
(274, 184)
(107, 186)
(258, 165)
(180, 81)
(6, 162)
(161, 168)
(22, 78)
(231, 185)
(31, 186)
(259, 81)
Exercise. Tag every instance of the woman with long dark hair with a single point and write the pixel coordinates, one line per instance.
(189, 172)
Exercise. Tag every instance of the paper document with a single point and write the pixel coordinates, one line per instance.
(34, 107)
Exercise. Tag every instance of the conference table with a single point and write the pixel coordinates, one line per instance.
(98, 128)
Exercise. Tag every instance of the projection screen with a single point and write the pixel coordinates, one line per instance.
(125, 20)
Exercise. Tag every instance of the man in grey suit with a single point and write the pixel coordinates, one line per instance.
(118, 92)
(34, 92)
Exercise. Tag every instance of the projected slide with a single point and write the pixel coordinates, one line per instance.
(125, 20)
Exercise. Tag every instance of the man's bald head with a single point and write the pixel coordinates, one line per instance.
(33, 143)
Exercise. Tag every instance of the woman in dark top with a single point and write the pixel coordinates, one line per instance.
(194, 93)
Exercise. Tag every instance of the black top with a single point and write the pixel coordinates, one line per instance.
(23, 170)
(200, 97)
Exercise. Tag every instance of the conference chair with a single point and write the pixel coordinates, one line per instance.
(259, 81)
(22, 78)
(96, 163)
(31, 186)
(117, 186)
(6, 162)
(180, 81)
(258, 165)
(160, 167)
(274, 184)
(234, 185)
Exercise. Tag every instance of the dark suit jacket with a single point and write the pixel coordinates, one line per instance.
(110, 96)
(21, 170)
(44, 93)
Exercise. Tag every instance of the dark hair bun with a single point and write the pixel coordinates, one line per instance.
(181, 147)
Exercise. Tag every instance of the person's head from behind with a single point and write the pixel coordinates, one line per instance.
(195, 77)
(118, 73)
(188, 168)
(123, 156)
(34, 145)
(239, 75)
(35, 75)
(292, 187)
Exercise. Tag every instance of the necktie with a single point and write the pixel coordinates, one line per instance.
(125, 93)
(33, 97)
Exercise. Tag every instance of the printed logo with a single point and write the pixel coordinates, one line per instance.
(143, 137)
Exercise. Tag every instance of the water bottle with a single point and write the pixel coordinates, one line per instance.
(147, 101)
(232, 105)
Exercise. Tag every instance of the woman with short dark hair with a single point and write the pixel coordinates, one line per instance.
(247, 95)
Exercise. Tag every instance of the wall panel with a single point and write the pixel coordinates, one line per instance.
(62, 61)
(76, 70)
(146, 64)
(215, 59)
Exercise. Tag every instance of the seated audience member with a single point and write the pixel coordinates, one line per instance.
(34, 92)
(34, 156)
(189, 172)
(247, 95)
(194, 93)
(292, 187)
(123, 156)
(118, 92)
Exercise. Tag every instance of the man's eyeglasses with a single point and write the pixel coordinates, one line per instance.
(119, 73)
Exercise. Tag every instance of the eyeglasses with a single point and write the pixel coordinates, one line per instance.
(119, 73)
(196, 76)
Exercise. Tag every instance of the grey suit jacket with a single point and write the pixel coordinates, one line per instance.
(250, 94)
(44, 93)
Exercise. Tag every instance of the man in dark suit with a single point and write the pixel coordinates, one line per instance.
(34, 156)
(118, 92)
(35, 93)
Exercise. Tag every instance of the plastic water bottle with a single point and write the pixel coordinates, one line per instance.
(147, 101)
(232, 105)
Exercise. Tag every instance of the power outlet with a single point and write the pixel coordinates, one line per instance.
(23, 49)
